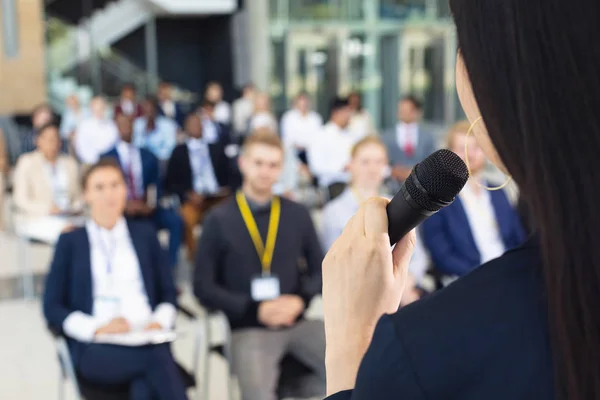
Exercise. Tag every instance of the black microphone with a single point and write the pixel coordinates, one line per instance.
(432, 185)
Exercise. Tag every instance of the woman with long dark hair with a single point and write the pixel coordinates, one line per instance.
(523, 326)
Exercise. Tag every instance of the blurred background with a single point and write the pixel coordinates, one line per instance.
(56, 56)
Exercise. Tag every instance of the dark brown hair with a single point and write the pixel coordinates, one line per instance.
(103, 163)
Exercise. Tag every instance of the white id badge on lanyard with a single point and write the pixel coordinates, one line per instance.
(265, 287)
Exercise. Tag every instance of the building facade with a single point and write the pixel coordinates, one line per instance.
(383, 49)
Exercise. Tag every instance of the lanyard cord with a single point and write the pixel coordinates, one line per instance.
(264, 252)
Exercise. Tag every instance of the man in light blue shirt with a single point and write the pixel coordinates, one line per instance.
(154, 132)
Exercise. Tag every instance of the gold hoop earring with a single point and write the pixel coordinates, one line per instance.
(491, 189)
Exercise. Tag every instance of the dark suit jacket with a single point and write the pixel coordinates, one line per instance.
(180, 179)
(150, 168)
(448, 236)
(69, 282)
(484, 337)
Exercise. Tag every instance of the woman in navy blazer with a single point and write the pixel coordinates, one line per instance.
(111, 277)
(522, 326)
(479, 225)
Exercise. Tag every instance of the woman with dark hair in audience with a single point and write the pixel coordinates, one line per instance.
(480, 225)
(112, 277)
(523, 326)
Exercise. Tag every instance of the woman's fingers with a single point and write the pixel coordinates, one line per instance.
(375, 218)
(403, 252)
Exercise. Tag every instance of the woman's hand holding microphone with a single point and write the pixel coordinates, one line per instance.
(363, 278)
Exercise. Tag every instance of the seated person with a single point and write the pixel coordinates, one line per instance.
(46, 189)
(198, 173)
(111, 277)
(367, 167)
(329, 152)
(154, 132)
(265, 309)
(479, 225)
(142, 176)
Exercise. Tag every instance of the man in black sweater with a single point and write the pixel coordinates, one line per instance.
(259, 261)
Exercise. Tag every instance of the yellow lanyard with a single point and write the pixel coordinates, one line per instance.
(265, 253)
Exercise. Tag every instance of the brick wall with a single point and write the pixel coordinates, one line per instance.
(23, 78)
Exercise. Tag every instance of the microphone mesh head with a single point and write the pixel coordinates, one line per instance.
(443, 175)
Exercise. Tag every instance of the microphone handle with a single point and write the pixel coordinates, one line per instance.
(403, 215)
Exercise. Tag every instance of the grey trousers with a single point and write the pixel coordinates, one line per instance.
(257, 353)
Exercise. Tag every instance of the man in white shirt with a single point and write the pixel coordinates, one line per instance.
(96, 134)
(214, 94)
(168, 107)
(329, 152)
(407, 142)
(243, 108)
(300, 125)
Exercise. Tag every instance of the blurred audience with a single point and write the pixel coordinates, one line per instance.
(154, 132)
(127, 103)
(213, 130)
(199, 174)
(408, 143)
(214, 94)
(300, 125)
(329, 152)
(72, 117)
(263, 116)
(167, 107)
(255, 232)
(40, 116)
(367, 169)
(361, 123)
(479, 225)
(96, 134)
(243, 108)
(46, 189)
(141, 170)
(112, 277)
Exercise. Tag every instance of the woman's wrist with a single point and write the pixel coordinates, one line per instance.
(342, 360)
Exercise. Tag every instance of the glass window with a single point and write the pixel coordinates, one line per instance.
(401, 9)
(10, 34)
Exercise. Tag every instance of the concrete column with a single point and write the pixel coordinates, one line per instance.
(372, 70)
(151, 54)
(258, 32)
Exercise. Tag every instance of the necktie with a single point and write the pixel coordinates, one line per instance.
(409, 143)
(131, 176)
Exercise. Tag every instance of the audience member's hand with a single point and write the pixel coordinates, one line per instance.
(117, 325)
(153, 326)
(283, 311)
(290, 307)
(145, 209)
(195, 198)
(268, 313)
(55, 210)
(401, 173)
(68, 228)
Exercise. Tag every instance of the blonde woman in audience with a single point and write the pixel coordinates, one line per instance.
(368, 167)
(263, 116)
(361, 123)
(46, 189)
(479, 225)
(3, 170)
